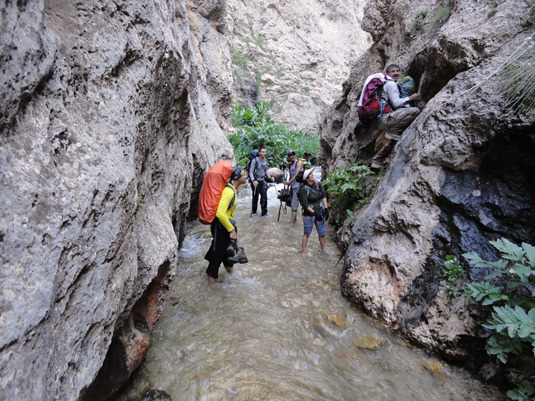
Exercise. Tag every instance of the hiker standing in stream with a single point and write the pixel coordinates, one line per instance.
(296, 177)
(315, 211)
(224, 231)
(259, 173)
(394, 122)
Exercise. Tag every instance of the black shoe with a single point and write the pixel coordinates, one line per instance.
(239, 257)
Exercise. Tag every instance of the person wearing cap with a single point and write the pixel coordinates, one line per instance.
(223, 227)
(315, 211)
(259, 173)
(295, 167)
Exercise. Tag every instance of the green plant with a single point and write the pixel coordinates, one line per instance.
(510, 288)
(418, 22)
(239, 59)
(517, 84)
(139, 205)
(257, 129)
(452, 273)
(441, 15)
(348, 187)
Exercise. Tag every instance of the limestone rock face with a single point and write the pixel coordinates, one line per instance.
(461, 175)
(110, 115)
(294, 54)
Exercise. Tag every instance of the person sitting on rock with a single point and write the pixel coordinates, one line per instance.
(395, 122)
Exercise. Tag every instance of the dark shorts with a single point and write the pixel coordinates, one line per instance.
(309, 222)
(216, 254)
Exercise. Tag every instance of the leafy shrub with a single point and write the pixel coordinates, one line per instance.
(510, 288)
(418, 22)
(452, 273)
(257, 130)
(348, 187)
(441, 15)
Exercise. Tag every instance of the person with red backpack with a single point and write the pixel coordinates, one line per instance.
(399, 116)
(224, 231)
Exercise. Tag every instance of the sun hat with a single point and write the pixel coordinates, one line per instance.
(307, 172)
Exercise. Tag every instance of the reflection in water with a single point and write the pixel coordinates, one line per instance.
(279, 329)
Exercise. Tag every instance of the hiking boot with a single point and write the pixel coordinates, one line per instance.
(377, 164)
(391, 135)
(232, 248)
(239, 257)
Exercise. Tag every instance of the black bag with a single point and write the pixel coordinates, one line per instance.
(284, 195)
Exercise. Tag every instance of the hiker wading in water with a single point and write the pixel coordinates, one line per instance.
(224, 230)
(313, 199)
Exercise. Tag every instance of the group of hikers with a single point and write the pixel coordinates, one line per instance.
(305, 191)
(382, 98)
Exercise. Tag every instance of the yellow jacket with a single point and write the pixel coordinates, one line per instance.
(225, 210)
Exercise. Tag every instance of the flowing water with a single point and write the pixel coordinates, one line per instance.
(279, 329)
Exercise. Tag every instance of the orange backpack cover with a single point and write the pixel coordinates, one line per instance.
(213, 184)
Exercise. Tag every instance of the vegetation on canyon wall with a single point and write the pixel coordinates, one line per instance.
(508, 288)
(256, 129)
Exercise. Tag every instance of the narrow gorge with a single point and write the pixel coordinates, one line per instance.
(113, 111)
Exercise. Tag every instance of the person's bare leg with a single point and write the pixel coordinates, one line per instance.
(294, 218)
(229, 269)
(211, 280)
(304, 243)
(322, 243)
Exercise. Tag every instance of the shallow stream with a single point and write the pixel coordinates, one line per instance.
(279, 329)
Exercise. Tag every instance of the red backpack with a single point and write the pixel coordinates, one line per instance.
(214, 182)
(372, 104)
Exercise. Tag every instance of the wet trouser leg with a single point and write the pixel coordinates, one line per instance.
(262, 188)
(217, 252)
(256, 192)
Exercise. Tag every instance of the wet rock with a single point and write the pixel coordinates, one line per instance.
(340, 321)
(437, 369)
(370, 342)
(276, 173)
(156, 395)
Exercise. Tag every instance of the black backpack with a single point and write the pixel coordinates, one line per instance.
(252, 154)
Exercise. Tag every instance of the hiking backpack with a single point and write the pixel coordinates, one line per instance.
(407, 86)
(373, 105)
(214, 181)
(252, 155)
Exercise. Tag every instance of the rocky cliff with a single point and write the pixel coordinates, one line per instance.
(111, 112)
(294, 54)
(462, 173)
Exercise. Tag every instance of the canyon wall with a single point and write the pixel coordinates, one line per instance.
(461, 175)
(111, 113)
(294, 54)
